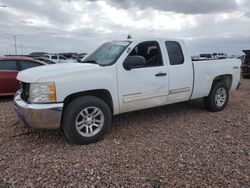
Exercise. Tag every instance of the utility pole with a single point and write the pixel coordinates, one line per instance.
(15, 44)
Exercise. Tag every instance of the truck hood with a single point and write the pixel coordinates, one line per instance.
(33, 75)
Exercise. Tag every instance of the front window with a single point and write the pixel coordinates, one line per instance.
(108, 53)
(151, 52)
(8, 65)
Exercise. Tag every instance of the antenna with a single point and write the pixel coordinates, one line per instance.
(129, 37)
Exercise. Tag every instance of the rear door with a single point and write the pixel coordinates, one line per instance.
(180, 71)
(8, 82)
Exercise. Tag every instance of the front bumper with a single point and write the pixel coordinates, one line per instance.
(45, 116)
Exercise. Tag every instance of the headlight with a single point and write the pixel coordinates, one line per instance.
(42, 93)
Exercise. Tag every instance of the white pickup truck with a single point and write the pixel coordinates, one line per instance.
(120, 76)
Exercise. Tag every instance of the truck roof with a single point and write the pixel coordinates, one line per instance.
(152, 38)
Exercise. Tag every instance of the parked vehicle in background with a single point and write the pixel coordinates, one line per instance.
(45, 60)
(120, 76)
(37, 54)
(9, 68)
(219, 56)
(79, 57)
(206, 56)
(245, 67)
(57, 58)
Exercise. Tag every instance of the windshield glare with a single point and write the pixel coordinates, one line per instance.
(108, 53)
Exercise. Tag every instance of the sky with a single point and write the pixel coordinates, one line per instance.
(82, 25)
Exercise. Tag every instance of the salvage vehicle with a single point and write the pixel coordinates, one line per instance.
(57, 58)
(119, 77)
(245, 67)
(45, 60)
(9, 68)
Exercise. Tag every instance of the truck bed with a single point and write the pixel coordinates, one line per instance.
(206, 71)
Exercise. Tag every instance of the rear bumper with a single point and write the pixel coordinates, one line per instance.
(45, 116)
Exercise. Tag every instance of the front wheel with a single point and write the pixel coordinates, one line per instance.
(86, 120)
(217, 98)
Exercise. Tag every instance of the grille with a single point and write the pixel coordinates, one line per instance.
(25, 91)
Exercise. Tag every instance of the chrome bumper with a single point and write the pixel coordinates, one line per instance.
(45, 116)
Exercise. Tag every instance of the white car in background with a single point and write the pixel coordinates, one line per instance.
(57, 58)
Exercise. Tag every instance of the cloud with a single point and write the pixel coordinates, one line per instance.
(184, 6)
(82, 25)
(54, 11)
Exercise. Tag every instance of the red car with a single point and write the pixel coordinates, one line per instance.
(9, 68)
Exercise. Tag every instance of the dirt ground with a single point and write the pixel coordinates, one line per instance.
(180, 145)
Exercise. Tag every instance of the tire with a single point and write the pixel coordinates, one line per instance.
(245, 77)
(213, 102)
(77, 121)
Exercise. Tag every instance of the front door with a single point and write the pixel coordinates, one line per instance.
(147, 86)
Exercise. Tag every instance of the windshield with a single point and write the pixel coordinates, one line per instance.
(108, 53)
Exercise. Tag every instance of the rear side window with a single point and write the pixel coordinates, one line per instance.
(175, 53)
(27, 64)
(8, 65)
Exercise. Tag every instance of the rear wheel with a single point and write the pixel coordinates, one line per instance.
(244, 76)
(86, 120)
(217, 98)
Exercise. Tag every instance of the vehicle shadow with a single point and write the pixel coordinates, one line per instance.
(196, 105)
(6, 98)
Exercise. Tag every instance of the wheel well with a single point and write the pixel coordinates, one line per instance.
(100, 93)
(228, 78)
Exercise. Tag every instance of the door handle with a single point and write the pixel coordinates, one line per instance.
(161, 74)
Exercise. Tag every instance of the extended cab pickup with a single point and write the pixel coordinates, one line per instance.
(120, 76)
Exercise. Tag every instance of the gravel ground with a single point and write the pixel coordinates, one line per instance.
(180, 145)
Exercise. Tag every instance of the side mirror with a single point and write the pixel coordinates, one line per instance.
(134, 62)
